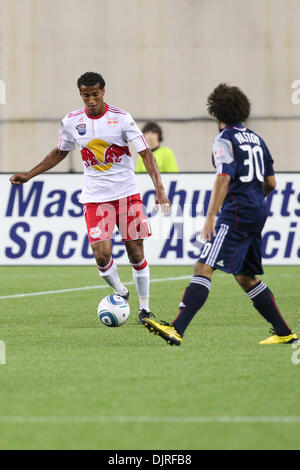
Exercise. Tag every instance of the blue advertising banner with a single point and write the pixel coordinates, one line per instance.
(42, 221)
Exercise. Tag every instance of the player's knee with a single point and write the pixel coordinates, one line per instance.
(135, 252)
(135, 256)
(246, 282)
(202, 269)
(103, 260)
(102, 254)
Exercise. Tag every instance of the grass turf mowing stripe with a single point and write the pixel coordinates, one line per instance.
(149, 419)
(62, 291)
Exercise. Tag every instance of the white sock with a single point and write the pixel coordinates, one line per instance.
(141, 278)
(110, 275)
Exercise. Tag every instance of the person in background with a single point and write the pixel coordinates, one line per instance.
(164, 156)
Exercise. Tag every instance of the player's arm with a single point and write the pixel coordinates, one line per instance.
(152, 169)
(269, 179)
(140, 167)
(269, 184)
(133, 134)
(216, 200)
(223, 161)
(51, 160)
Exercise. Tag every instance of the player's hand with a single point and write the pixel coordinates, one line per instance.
(19, 178)
(163, 200)
(209, 228)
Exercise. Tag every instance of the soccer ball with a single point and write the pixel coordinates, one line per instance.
(113, 310)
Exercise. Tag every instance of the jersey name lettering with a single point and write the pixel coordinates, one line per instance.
(247, 137)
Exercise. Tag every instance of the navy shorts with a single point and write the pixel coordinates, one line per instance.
(233, 251)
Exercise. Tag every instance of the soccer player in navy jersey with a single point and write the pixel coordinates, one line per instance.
(235, 218)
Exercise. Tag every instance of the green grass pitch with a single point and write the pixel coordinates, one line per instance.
(70, 382)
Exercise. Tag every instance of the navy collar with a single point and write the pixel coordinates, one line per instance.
(233, 124)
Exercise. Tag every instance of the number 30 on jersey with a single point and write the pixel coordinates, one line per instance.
(255, 162)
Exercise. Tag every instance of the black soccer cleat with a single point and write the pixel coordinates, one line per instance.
(144, 314)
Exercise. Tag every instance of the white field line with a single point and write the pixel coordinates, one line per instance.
(149, 419)
(62, 291)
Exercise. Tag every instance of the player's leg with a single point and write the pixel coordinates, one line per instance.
(214, 254)
(226, 251)
(107, 267)
(262, 298)
(194, 297)
(140, 275)
(134, 228)
(100, 220)
(264, 302)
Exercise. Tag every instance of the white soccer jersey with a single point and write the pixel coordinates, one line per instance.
(103, 142)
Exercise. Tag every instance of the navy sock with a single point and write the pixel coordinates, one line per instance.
(193, 299)
(263, 300)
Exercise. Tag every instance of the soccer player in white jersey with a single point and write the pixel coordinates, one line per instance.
(110, 194)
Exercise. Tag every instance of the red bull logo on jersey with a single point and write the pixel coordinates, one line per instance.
(114, 153)
(101, 155)
(95, 232)
(89, 158)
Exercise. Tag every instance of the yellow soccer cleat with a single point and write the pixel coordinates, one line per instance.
(164, 330)
(275, 339)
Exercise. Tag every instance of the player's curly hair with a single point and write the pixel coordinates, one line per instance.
(91, 79)
(153, 127)
(228, 104)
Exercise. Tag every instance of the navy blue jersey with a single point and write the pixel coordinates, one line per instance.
(244, 156)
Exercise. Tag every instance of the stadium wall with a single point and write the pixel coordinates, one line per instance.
(160, 60)
(41, 222)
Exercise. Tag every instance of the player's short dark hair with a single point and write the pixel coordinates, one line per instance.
(153, 127)
(91, 79)
(228, 104)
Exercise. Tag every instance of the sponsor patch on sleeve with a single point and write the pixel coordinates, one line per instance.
(222, 152)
